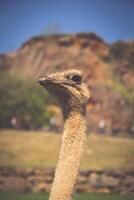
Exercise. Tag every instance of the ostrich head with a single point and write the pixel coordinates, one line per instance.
(68, 88)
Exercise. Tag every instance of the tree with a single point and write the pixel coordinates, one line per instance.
(52, 29)
(23, 100)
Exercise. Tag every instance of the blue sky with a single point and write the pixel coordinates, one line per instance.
(21, 19)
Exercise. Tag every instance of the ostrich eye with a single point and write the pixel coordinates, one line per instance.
(76, 78)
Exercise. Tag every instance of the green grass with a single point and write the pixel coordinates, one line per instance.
(92, 196)
(38, 149)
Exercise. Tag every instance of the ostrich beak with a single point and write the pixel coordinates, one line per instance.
(44, 80)
(41, 80)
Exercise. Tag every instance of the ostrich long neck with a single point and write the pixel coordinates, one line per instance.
(73, 141)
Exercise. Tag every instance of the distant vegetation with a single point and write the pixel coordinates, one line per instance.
(123, 51)
(23, 104)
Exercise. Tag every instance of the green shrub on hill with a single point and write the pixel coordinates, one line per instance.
(23, 103)
(123, 51)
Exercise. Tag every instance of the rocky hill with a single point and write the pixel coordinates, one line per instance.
(108, 69)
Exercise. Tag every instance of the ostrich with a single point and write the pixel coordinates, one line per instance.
(72, 94)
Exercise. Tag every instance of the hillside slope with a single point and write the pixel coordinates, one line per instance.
(108, 69)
